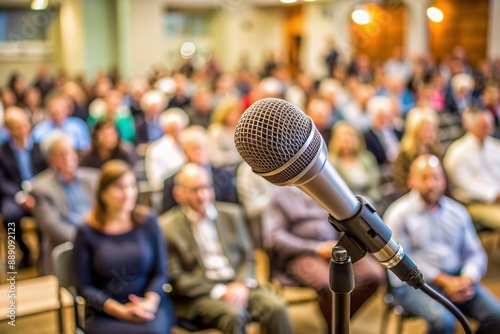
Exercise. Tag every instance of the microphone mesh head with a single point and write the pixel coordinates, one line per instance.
(270, 132)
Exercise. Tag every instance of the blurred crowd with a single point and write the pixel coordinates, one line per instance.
(375, 117)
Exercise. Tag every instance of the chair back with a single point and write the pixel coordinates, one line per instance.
(61, 258)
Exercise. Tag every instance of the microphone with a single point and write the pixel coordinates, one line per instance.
(281, 144)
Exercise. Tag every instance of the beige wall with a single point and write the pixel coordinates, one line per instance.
(494, 30)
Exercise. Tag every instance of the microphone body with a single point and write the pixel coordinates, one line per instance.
(282, 145)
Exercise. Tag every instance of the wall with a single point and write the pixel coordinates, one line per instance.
(26, 57)
(494, 30)
(245, 30)
(318, 26)
(99, 20)
(465, 24)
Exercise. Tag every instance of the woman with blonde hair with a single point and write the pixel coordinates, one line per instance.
(221, 131)
(121, 260)
(420, 137)
(356, 165)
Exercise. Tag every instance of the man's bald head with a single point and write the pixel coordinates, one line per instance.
(193, 188)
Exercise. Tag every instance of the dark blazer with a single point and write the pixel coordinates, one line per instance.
(10, 178)
(141, 130)
(185, 264)
(374, 145)
(224, 188)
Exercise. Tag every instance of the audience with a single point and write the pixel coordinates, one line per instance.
(437, 233)
(382, 139)
(323, 116)
(420, 137)
(147, 124)
(491, 101)
(123, 128)
(20, 161)
(200, 111)
(33, 106)
(221, 132)
(254, 194)
(459, 95)
(300, 239)
(354, 163)
(106, 145)
(115, 109)
(62, 193)
(472, 164)
(194, 143)
(58, 112)
(211, 261)
(164, 156)
(120, 238)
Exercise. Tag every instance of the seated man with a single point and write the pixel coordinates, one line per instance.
(472, 164)
(194, 144)
(20, 160)
(211, 263)
(63, 195)
(437, 234)
(297, 231)
(59, 111)
(164, 156)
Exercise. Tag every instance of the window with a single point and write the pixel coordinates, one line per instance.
(183, 24)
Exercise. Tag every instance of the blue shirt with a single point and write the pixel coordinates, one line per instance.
(4, 135)
(154, 129)
(439, 241)
(73, 127)
(23, 159)
(78, 199)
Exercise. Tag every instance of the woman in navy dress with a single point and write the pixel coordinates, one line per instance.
(120, 261)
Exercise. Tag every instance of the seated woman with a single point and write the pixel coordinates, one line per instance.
(421, 137)
(106, 145)
(121, 261)
(221, 131)
(357, 166)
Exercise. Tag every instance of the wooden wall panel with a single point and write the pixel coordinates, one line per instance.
(378, 38)
(465, 24)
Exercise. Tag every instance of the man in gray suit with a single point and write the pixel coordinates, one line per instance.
(211, 261)
(64, 195)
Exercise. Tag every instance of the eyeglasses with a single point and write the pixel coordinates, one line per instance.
(200, 187)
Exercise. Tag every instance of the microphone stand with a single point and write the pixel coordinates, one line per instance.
(341, 285)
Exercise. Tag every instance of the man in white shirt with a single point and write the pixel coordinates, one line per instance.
(164, 156)
(472, 164)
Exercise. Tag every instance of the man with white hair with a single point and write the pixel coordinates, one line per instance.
(64, 194)
(164, 156)
(460, 93)
(382, 139)
(194, 142)
(147, 124)
(472, 164)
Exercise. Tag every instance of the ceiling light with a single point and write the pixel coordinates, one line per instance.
(39, 4)
(188, 49)
(435, 14)
(361, 16)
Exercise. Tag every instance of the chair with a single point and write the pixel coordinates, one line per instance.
(61, 257)
(34, 296)
(488, 236)
(392, 306)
